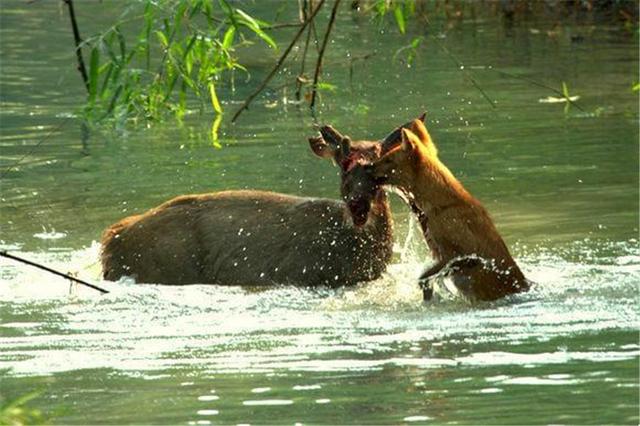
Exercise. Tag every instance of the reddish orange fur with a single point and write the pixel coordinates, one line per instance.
(457, 224)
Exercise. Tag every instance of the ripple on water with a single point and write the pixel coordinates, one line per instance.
(417, 418)
(233, 329)
(208, 398)
(208, 412)
(267, 402)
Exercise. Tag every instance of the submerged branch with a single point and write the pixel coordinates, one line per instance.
(544, 86)
(275, 69)
(52, 271)
(321, 54)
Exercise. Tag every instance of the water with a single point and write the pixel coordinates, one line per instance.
(562, 188)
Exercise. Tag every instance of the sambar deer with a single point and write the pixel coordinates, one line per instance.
(472, 260)
(256, 237)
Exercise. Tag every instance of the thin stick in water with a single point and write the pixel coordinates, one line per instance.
(3, 253)
(537, 83)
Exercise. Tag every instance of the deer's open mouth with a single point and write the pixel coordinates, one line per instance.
(359, 211)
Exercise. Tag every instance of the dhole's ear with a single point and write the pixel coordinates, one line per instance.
(410, 141)
(394, 138)
(419, 129)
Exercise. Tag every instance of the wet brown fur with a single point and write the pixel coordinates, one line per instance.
(248, 238)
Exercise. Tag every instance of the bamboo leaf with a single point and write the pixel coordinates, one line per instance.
(215, 127)
(247, 18)
(214, 98)
(107, 77)
(94, 66)
(177, 20)
(121, 42)
(115, 97)
(227, 41)
(190, 45)
(400, 19)
(254, 26)
(163, 38)
(327, 86)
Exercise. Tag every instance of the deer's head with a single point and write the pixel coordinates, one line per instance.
(358, 188)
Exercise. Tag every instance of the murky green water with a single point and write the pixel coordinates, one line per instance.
(562, 188)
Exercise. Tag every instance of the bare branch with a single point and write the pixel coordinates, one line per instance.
(275, 69)
(78, 40)
(321, 53)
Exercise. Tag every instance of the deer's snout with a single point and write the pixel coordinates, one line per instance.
(359, 208)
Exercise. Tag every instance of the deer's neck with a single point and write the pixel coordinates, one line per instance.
(380, 213)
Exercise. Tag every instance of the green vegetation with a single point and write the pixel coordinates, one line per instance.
(196, 43)
(169, 58)
(184, 51)
(17, 413)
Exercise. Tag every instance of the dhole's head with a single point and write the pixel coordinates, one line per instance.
(358, 189)
(399, 164)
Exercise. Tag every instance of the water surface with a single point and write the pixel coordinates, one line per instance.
(562, 188)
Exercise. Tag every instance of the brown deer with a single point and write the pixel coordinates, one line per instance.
(247, 238)
(472, 260)
(259, 238)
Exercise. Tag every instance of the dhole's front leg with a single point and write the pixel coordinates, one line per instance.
(471, 277)
(424, 280)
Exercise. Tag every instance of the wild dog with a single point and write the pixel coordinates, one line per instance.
(470, 255)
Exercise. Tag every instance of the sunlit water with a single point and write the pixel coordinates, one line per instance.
(563, 189)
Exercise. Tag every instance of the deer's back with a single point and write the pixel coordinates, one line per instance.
(244, 237)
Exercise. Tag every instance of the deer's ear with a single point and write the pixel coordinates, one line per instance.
(320, 147)
(330, 144)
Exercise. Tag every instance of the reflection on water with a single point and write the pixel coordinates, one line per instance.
(562, 188)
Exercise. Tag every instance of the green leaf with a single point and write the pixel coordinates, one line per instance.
(215, 127)
(227, 41)
(250, 21)
(214, 98)
(112, 103)
(636, 87)
(327, 86)
(565, 90)
(254, 26)
(106, 78)
(94, 66)
(163, 38)
(177, 19)
(121, 42)
(400, 20)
